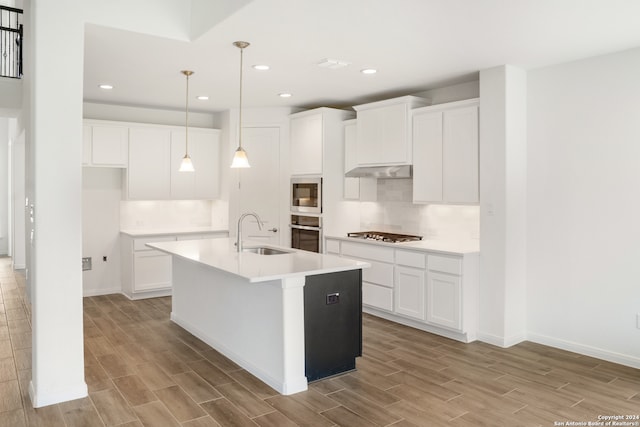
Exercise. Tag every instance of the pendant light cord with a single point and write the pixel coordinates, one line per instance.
(186, 124)
(240, 103)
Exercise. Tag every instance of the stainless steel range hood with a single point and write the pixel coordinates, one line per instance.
(404, 171)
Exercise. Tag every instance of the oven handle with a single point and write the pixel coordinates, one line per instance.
(305, 227)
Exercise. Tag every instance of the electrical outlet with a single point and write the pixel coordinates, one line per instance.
(333, 298)
(104, 258)
(86, 263)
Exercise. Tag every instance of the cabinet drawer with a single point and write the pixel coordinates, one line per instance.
(445, 264)
(368, 252)
(141, 244)
(377, 296)
(379, 273)
(332, 246)
(411, 259)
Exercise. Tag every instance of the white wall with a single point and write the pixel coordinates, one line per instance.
(583, 206)
(502, 304)
(18, 172)
(4, 185)
(101, 194)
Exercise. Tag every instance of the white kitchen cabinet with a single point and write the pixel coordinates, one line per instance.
(443, 299)
(149, 173)
(377, 280)
(409, 292)
(421, 288)
(444, 291)
(306, 144)
(152, 271)
(445, 153)
(384, 131)
(204, 149)
(105, 145)
(147, 272)
(363, 189)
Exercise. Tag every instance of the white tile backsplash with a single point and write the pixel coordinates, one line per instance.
(394, 211)
(158, 214)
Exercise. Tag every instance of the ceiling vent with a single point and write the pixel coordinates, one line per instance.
(332, 64)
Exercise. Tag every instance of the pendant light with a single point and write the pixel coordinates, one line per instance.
(186, 165)
(240, 159)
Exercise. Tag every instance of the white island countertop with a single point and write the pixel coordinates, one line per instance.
(222, 255)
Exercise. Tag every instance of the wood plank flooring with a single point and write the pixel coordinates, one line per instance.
(143, 370)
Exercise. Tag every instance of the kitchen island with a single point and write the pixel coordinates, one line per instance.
(253, 307)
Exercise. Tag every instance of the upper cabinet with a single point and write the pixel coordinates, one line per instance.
(384, 131)
(445, 153)
(204, 150)
(306, 144)
(149, 173)
(104, 145)
(315, 136)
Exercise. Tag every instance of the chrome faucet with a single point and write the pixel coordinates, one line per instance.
(239, 233)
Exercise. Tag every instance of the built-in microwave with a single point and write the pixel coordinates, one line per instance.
(306, 195)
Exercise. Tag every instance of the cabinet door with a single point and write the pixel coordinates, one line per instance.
(382, 136)
(409, 292)
(460, 155)
(444, 300)
(148, 175)
(204, 150)
(306, 145)
(151, 271)
(377, 296)
(109, 145)
(427, 157)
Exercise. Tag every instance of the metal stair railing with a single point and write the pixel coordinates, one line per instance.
(10, 42)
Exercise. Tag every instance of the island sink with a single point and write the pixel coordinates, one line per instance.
(264, 250)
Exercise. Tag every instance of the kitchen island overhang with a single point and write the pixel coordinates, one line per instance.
(249, 307)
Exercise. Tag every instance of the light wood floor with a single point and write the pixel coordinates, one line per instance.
(142, 370)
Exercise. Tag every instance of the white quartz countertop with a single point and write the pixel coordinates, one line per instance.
(456, 247)
(150, 232)
(221, 254)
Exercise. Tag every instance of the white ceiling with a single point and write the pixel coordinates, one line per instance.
(415, 44)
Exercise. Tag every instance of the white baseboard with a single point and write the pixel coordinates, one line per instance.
(454, 335)
(38, 400)
(98, 292)
(599, 353)
(499, 341)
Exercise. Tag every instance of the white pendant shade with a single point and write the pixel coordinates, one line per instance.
(240, 159)
(186, 165)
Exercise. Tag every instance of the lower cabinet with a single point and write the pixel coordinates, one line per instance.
(146, 272)
(409, 291)
(428, 290)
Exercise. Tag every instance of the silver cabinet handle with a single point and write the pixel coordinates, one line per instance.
(274, 229)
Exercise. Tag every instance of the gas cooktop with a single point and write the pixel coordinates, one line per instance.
(384, 237)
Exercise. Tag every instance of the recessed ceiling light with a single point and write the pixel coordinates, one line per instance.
(284, 95)
(368, 71)
(261, 67)
(202, 98)
(105, 87)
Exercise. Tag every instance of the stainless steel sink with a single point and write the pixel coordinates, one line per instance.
(264, 250)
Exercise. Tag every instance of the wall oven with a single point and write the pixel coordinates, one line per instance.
(306, 233)
(306, 195)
